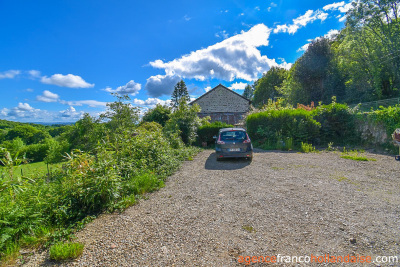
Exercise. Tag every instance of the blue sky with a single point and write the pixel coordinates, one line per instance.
(60, 59)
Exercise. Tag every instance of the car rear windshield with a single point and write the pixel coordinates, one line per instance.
(233, 136)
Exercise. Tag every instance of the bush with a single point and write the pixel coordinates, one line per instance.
(275, 125)
(206, 132)
(159, 114)
(35, 152)
(337, 124)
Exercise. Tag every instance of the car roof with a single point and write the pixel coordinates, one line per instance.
(231, 129)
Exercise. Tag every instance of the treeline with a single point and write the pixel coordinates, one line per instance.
(359, 64)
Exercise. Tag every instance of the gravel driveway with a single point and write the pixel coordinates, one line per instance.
(210, 213)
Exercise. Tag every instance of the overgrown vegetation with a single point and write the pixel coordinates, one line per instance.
(278, 126)
(108, 161)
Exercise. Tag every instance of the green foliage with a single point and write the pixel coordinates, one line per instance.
(65, 251)
(206, 132)
(273, 126)
(180, 94)
(248, 92)
(316, 75)
(267, 86)
(185, 121)
(117, 166)
(120, 114)
(389, 117)
(55, 150)
(355, 155)
(35, 152)
(159, 114)
(85, 134)
(307, 148)
(337, 124)
(29, 134)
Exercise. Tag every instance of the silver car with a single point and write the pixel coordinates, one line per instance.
(233, 143)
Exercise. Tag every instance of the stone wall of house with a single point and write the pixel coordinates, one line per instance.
(222, 100)
(227, 117)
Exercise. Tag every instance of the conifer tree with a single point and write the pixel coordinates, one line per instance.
(179, 94)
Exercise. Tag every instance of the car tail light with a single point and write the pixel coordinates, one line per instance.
(219, 142)
(247, 140)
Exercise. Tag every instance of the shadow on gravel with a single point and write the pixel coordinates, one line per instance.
(225, 164)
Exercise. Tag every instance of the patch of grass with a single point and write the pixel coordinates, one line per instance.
(277, 168)
(65, 251)
(34, 169)
(307, 148)
(342, 178)
(248, 228)
(355, 155)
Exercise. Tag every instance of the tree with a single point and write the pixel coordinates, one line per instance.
(121, 114)
(267, 86)
(159, 114)
(317, 75)
(248, 92)
(369, 50)
(179, 94)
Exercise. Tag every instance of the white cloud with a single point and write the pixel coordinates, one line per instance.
(71, 114)
(257, 8)
(34, 74)
(9, 74)
(341, 7)
(222, 34)
(130, 88)
(329, 35)
(150, 102)
(69, 80)
(29, 90)
(273, 4)
(23, 110)
(47, 96)
(90, 103)
(208, 88)
(343, 18)
(346, 8)
(187, 18)
(234, 58)
(302, 21)
(333, 6)
(238, 86)
(24, 107)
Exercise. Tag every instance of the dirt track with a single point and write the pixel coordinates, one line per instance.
(210, 213)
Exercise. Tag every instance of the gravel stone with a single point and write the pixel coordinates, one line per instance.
(210, 213)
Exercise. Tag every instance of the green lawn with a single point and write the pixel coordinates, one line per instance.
(33, 169)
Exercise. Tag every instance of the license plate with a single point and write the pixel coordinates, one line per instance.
(234, 149)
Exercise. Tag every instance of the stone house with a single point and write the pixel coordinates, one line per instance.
(223, 104)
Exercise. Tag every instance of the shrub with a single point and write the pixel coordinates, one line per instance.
(337, 124)
(275, 125)
(159, 114)
(185, 121)
(206, 132)
(35, 152)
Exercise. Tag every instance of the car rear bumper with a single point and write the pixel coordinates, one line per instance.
(248, 154)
